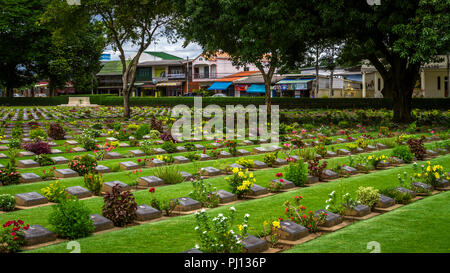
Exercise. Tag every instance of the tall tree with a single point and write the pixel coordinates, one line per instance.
(397, 37)
(22, 41)
(251, 32)
(136, 22)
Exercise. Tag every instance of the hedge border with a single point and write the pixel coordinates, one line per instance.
(284, 103)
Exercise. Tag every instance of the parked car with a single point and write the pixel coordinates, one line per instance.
(219, 95)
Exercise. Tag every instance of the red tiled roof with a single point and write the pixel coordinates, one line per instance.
(237, 76)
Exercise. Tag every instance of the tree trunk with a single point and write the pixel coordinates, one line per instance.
(9, 92)
(331, 83)
(268, 96)
(126, 105)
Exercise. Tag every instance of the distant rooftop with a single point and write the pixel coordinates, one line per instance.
(163, 55)
(112, 68)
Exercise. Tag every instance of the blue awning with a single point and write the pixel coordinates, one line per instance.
(256, 88)
(219, 86)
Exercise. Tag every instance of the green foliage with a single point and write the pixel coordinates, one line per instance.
(71, 219)
(169, 146)
(7, 202)
(297, 172)
(217, 235)
(44, 160)
(203, 192)
(163, 204)
(83, 164)
(38, 133)
(94, 182)
(399, 197)
(55, 192)
(142, 130)
(170, 174)
(12, 236)
(403, 153)
(368, 196)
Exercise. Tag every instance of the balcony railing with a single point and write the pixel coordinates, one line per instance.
(204, 76)
(176, 76)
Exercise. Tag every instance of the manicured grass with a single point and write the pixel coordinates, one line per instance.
(177, 234)
(418, 227)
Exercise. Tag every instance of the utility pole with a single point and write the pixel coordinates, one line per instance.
(187, 74)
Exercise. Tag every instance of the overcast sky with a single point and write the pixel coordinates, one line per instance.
(192, 50)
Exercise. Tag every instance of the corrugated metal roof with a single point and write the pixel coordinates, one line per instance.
(163, 55)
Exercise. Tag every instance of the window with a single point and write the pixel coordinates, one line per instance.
(438, 83)
(246, 69)
(379, 84)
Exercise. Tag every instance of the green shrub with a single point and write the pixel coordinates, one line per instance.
(270, 158)
(87, 140)
(203, 192)
(154, 134)
(71, 219)
(147, 147)
(9, 175)
(38, 133)
(170, 174)
(368, 196)
(190, 147)
(94, 182)
(55, 192)
(142, 130)
(7, 202)
(169, 146)
(403, 153)
(44, 160)
(297, 172)
(399, 197)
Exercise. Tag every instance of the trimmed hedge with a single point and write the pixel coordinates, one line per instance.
(284, 103)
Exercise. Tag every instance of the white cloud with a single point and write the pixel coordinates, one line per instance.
(192, 50)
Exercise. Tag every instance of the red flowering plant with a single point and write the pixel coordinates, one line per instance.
(298, 213)
(83, 164)
(9, 176)
(232, 146)
(12, 236)
(315, 168)
(276, 186)
(297, 141)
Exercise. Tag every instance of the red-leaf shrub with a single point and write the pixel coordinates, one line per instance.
(315, 168)
(56, 131)
(38, 147)
(119, 207)
(417, 148)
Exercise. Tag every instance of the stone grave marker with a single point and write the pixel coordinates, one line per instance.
(358, 211)
(180, 159)
(107, 186)
(29, 177)
(159, 151)
(60, 160)
(129, 165)
(78, 149)
(328, 175)
(243, 152)
(259, 164)
(65, 173)
(254, 244)
(30, 199)
(385, 202)
(187, 204)
(257, 190)
(102, 169)
(285, 183)
(224, 154)
(21, 154)
(292, 231)
(101, 223)
(27, 163)
(146, 213)
(136, 153)
(150, 181)
(112, 155)
(37, 234)
(154, 163)
(332, 218)
(79, 192)
(209, 171)
(225, 197)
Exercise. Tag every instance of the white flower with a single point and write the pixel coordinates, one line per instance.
(197, 246)
(203, 210)
(220, 215)
(204, 232)
(327, 207)
(247, 215)
(231, 231)
(232, 208)
(196, 228)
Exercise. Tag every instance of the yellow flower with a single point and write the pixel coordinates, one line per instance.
(437, 175)
(250, 175)
(428, 169)
(235, 170)
(241, 227)
(276, 224)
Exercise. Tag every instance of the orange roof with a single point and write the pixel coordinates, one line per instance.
(237, 76)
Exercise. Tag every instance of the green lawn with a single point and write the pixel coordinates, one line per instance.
(418, 227)
(177, 234)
